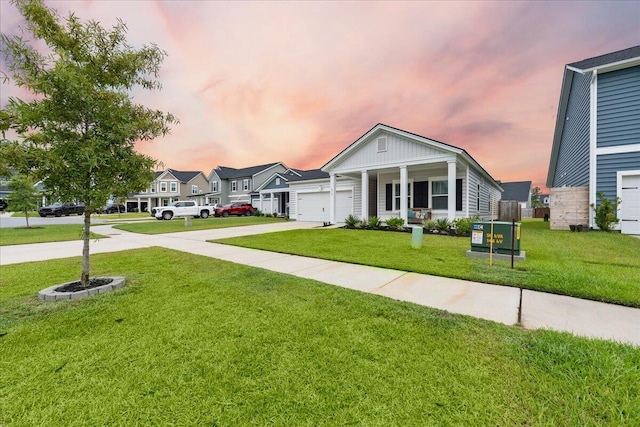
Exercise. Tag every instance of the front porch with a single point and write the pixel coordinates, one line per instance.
(411, 192)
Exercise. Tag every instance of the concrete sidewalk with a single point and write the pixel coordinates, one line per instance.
(492, 302)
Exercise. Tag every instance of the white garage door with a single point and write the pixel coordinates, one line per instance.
(630, 206)
(315, 206)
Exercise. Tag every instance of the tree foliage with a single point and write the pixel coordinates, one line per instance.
(24, 195)
(535, 198)
(606, 211)
(78, 134)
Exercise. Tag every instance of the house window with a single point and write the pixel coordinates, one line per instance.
(245, 185)
(163, 187)
(439, 194)
(165, 202)
(478, 199)
(194, 189)
(234, 186)
(277, 181)
(152, 188)
(173, 187)
(214, 186)
(382, 144)
(396, 195)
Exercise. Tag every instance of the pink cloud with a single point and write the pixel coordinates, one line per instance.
(255, 82)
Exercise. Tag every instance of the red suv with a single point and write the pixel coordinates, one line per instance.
(235, 208)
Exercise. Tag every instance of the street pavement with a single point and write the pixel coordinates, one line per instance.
(503, 304)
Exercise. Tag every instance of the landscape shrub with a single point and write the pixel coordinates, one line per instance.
(606, 212)
(395, 223)
(443, 225)
(463, 225)
(429, 224)
(374, 223)
(351, 221)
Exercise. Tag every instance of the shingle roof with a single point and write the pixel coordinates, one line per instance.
(225, 172)
(183, 176)
(609, 58)
(307, 175)
(516, 190)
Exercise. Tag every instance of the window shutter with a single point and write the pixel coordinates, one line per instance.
(459, 194)
(389, 197)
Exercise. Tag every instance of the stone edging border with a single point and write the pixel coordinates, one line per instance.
(50, 293)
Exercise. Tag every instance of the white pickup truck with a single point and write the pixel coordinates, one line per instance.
(182, 208)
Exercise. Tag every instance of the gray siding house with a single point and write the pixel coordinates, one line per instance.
(596, 142)
(240, 185)
(168, 186)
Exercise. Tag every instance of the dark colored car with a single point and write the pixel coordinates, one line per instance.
(235, 208)
(60, 209)
(111, 208)
(3, 205)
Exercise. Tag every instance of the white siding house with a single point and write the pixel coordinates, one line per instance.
(387, 172)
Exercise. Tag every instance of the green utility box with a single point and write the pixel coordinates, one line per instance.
(482, 240)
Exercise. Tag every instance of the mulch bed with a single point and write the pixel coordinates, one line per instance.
(77, 285)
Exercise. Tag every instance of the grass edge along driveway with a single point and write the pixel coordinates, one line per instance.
(177, 224)
(594, 265)
(255, 347)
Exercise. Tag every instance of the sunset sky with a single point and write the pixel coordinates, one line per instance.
(259, 82)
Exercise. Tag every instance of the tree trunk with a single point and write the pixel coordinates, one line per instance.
(84, 279)
(26, 216)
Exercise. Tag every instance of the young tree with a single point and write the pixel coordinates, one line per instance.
(83, 123)
(24, 196)
(535, 198)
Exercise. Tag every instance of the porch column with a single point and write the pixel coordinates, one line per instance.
(261, 202)
(139, 204)
(149, 205)
(365, 195)
(451, 195)
(271, 203)
(332, 198)
(404, 196)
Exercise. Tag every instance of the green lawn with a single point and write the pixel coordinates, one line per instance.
(43, 234)
(177, 224)
(196, 341)
(594, 265)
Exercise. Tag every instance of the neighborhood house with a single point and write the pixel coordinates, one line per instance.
(596, 144)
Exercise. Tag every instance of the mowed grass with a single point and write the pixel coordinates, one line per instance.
(43, 234)
(196, 341)
(177, 224)
(594, 265)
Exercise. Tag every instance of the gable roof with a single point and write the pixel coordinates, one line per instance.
(308, 175)
(225, 172)
(519, 190)
(608, 62)
(182, 176)
(380, 126)
(621, 57)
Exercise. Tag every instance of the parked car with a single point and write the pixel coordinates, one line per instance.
(181, 208)
(60, 209)
(235, 208)
(110, 208)
(3, 204)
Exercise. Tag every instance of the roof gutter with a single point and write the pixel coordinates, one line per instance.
(631, 62)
